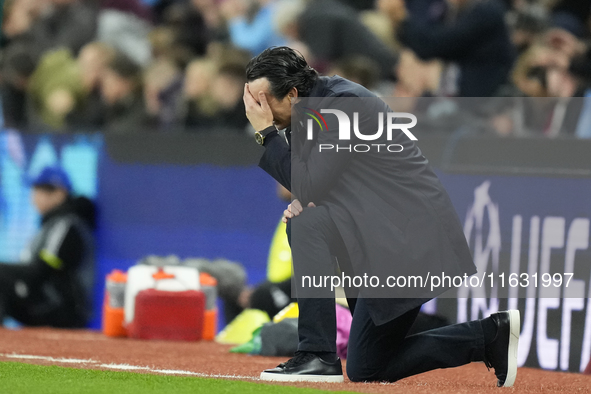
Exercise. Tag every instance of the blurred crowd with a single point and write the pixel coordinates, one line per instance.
(127, 66)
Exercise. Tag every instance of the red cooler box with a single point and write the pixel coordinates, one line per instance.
(172, 315)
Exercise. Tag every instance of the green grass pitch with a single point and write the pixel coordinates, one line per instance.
(17, 378)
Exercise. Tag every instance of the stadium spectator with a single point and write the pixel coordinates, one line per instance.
(416, 78)
(250, 24)
(196, 87)
(527, 25)
(332, 31)
(55, 89)
(581, 68)
(359, 69)
(571, 22)
(572, 81)
(19, 16)
(428, 12)
(164, 45)
(215, 101)
(51, 285)
(162, 92)
(580, 9)
(17, 68)
(477, 40)
(381, 26)
(546, 72)
(567, 83)
(92, 63)
(194, 24)
(63, 23)
(526, 74)
(472, 47)
(134, 7)
(32, 29)
(285, 23)
(563, 41)
(121, 90)
(18, 60)
(359, 5)
(125, 25)
(64, 89)
(227, 91)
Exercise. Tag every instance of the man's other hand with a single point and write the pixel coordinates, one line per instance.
(258, 111)
(294, 209)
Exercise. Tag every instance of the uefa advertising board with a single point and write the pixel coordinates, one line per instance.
(530, 226)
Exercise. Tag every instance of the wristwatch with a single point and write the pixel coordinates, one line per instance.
(260, 136)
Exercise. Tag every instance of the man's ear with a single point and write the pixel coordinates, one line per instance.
(293, 95)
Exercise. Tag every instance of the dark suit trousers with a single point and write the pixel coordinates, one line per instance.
(375, 353)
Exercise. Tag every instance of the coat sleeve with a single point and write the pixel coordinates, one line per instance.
(63, 248)
(276, 159)
(314, 177)
(453, 41)
(80, 27)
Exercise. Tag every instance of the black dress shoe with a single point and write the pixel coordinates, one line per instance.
(501, 353)
(305, 367)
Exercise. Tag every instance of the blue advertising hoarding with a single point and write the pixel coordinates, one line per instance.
(189, 211)
(530, 225)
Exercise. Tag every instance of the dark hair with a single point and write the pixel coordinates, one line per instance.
(285, 69)
(126, 68)
(580, 67)
(233, 70)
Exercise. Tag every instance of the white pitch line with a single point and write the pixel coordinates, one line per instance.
(125, 367)
(51, 359)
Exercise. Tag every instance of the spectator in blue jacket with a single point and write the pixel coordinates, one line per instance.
(251, 25)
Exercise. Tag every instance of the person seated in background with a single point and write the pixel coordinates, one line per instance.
(163, 82)
(544, 71)
(125, 25)
(331, 31)
(64, 23)
(17, 68)
(477, 40)
(527, 25)
(121, 90)
(359, 69)
(194, 24)
(196, 86)
(52, 284)
(226, 91)
(40, 26)
(212, 95)
(55, 90)
(416, 78)
(92, 63)
(250, 24)
(64, 90)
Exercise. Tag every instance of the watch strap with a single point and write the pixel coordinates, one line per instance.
(267, 131)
